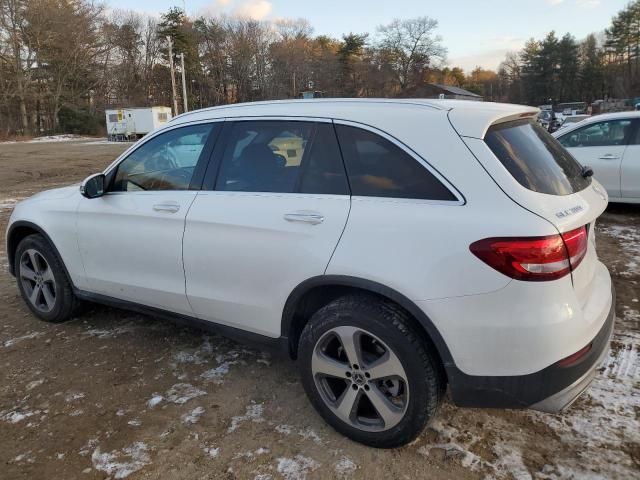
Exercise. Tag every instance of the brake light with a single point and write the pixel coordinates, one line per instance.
(534, 259)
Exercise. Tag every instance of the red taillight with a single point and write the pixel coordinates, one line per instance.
(575, 358)
(576, 242)
(534, 258)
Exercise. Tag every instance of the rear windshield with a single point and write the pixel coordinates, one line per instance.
(536, 159)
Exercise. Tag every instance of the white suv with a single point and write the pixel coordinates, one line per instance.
(393, 248)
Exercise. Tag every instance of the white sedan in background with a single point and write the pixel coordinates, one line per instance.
(610, 145)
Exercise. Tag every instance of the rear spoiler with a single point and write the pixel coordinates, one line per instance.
(517, 116)
(474, 122)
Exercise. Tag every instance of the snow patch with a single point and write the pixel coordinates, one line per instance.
(307, 433)
(296, 468)
(90, 445)
(193, 416)
(55, 138)
(628, 237)
(16, 416)
(74, 396)
(253, 413)
(212, 451)
(109, 333)
(24, 457)
(181, 393)
(250, 455)
(284, 429)
(197, 357)
(121, 463)
(28, 336)
(345, 467)
(153, 401)
(215, 374)
(34, 384)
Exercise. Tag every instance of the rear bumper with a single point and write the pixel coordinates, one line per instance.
(549, 390)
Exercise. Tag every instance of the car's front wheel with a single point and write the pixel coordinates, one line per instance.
(42, 280)
(368, 372)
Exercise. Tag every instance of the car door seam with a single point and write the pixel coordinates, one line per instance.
(344, 228)
(184, 232)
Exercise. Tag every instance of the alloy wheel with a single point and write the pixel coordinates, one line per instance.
(37, 280)
(360, 378)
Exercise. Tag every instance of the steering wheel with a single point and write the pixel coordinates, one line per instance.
(161, 161)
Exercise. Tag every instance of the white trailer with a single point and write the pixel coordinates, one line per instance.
(135, 122)
(116, 124)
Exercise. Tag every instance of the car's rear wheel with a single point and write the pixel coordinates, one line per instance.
(42, 280)
(368, 372)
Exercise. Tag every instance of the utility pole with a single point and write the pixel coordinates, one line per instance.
(173, 78)
(184, 85)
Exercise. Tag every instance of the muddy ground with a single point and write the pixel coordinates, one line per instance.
(115, 394)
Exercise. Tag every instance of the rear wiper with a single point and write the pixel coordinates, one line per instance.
(587, 171)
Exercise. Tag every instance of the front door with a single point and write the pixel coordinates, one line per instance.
(271, 219)
(131, 238)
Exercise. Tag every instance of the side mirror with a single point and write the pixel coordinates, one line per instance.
(93, 186)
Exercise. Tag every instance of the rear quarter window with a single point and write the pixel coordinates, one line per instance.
(536, 159)
(378, 168)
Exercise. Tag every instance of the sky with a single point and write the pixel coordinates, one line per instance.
(475, 32)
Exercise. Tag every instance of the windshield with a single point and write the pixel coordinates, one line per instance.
(536, 159)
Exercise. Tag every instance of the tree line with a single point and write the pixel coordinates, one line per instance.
(63, 62)
(603, 65)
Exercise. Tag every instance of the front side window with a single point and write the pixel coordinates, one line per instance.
(378, 168)
(166, 162)
(283, 157)
(535, 159)
(601, 134)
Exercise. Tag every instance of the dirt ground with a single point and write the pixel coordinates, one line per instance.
(113, 394)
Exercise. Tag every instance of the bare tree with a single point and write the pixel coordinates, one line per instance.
(17, 57)
(410, 47)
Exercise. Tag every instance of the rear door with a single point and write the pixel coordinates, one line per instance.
(601, 146)
(276, 205)
(630, 171)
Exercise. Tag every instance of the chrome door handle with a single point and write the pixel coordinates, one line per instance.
(166, 207)
(304, 217)
(609, 156)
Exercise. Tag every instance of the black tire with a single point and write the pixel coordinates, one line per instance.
(65, 303)
(426, 383)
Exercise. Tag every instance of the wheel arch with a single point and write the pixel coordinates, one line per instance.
(22, 229)
(314, 293)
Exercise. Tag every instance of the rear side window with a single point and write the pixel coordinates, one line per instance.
(378, 168)
(282, 157)
(323, 168)
(536, 159)
(264, 156)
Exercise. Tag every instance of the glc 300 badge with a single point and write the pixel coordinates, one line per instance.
(569, 211)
